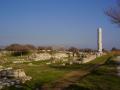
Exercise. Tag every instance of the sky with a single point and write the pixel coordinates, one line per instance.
(57, 22)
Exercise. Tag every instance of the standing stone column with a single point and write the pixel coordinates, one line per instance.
(99, 41)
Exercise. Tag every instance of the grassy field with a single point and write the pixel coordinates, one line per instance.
(40, 73)
(102, 78)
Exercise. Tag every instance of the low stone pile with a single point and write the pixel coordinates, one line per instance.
(47, 56)
(10, 77)
(60, 55)
(42, 56)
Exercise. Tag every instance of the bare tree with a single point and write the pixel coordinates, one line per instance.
(114, 13)
(74, 50)
(30, 47)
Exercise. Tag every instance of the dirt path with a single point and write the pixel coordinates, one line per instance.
(69, 79)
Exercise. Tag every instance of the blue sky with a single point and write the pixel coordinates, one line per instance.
(57, 22)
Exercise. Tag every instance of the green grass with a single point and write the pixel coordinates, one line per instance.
(102, 78)
(45, 74)
(101, 60)
(40, 73)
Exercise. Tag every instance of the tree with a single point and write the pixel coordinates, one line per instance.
(87, 50)
(41, 48)
(18, 49)
(114, 49)
(74, 51)
(114, 13)
(30, 47)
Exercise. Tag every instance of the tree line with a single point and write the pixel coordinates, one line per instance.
(19, 49)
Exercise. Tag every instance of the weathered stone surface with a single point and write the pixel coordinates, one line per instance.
(47, 56)
(89, 58)
(19, 73)
(42, 56)
(60, 55)
(9, 77)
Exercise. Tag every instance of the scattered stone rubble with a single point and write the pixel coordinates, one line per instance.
(60, 55)
(10, 77)
(47, 56)
(86, 59)
(42, 56)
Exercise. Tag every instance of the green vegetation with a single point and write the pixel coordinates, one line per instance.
(102, 78)
(40, 72)
(102, 74)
